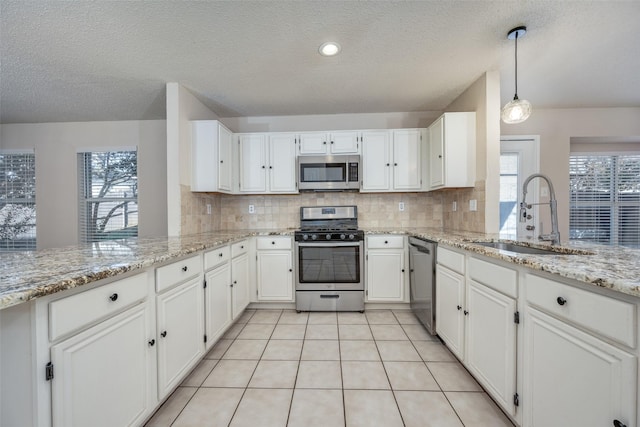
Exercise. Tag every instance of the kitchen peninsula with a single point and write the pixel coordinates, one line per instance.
(35, 285)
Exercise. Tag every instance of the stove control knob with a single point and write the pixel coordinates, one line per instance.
(314, 237)
(328, 236)
(343, 236)
(305, 237)
(352, 236)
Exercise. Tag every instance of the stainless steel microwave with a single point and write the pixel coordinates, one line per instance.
(329, 173)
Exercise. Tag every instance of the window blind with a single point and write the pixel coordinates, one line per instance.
(605, 198)
(108, 190)
(17, 201)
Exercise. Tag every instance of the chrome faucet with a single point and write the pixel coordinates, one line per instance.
(554, 236)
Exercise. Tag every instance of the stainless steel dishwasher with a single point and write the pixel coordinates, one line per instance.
(422, 281)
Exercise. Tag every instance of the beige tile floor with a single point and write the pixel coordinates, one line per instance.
(282, 368)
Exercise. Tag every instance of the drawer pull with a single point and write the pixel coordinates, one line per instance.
(113, 297)
(386, 242)
(163, 334)
(151, 343)
(273, 243)
(185, 268)
(290, 270)
(561, 301)
(242, 247)
(329, 296)
(617, 423)
(220, 255)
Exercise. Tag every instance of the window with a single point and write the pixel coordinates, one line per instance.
(17, 201)
(605, 198)
(108, 195)
(509, 195)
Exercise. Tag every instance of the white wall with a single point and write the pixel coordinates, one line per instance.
(331, 122)
(56, 146)
(557, 127)
(182, 107)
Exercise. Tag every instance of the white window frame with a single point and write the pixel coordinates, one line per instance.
(31, 202)
(85, 234)
(613, 203)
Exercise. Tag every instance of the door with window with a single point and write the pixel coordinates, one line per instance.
(519, 158)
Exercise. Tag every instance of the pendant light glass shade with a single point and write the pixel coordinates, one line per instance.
(517, 110)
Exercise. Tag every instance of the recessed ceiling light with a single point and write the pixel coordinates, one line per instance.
(329, 49)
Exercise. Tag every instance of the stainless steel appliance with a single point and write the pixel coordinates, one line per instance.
(329, 173)
(329, 260)
(422, 281)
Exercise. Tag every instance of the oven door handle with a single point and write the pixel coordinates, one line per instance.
(329, 244)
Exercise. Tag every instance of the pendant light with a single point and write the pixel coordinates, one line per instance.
(518, 110)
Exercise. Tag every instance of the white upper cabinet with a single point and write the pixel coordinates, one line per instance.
(321, 143)
(391, 160)
(267, 163)
(211, 157)
(282, 163)
(253, 162)
(452, 151)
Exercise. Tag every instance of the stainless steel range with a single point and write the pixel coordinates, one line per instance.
(329, 260)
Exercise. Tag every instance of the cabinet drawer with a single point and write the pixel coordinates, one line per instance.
(178, 272)
(500, 278)
(273, 243)
(216, 257)
(239, 248)
(377, 242)
(450, 259)
(607, 316)
(75, 312)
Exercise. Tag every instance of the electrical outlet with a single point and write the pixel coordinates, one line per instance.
(252, 209)
(473, 205)
(454, 206)
(208, 209)
(401, 206)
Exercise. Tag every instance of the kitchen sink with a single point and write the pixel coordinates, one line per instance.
(521, 249)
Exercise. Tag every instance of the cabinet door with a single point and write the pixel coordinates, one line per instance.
(376, 162)
(436, 153)
(217, 302)
(450, 309)
(253, 163)
(275, 276)
(344, 142)
(491, 342)
(313, 143)
(575, 379)
(204, 155)
(225, 163)
(180, 334)
(406, 159)
(282, 163)
(103, 376)
(240, 284)
(385, 275)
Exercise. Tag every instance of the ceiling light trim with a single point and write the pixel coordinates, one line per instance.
(329, 49)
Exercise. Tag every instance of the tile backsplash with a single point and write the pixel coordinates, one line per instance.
(375, 210)
(463, 219)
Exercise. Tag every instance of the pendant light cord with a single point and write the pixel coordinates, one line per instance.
(516, 94)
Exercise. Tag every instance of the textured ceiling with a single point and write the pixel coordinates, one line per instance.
(104, 60)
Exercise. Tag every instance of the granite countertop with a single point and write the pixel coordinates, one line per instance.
(28, 275)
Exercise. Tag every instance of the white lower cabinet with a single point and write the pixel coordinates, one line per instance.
(217, 297)
(180, 333)
(491, 342)
(450, 300)
(274, 269)
(385, 276)
(240, 296)
(104, 375)
(575, 379)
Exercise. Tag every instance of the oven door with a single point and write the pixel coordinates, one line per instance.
(329, 266)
